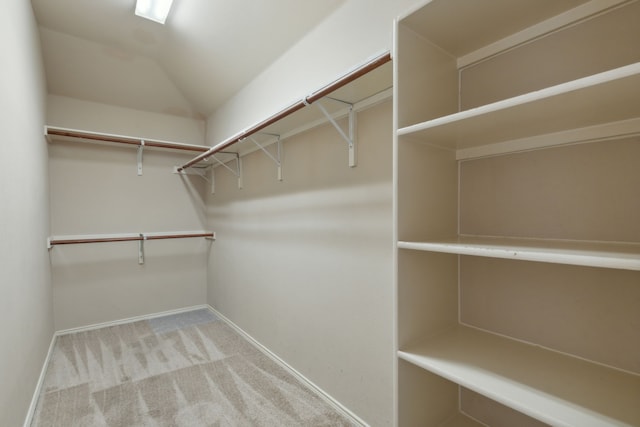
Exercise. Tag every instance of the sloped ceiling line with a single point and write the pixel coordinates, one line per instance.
(206, 52)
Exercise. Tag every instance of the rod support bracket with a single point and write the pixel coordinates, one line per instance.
(141, 248)
(140, 152)
(237, 172)
(201, 172)
(277, 158)
(351, 137)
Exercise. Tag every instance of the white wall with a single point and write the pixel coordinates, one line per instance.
(95, 189)
(356, 32)
(92, 116)
(26, 326)
(305, 265)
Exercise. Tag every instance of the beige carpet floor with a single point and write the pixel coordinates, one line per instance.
(188, 369)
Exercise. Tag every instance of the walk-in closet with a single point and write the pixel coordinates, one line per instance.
(414, 213)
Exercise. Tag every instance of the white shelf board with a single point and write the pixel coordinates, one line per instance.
(554, 388)
(601, 98)
(624, 256)
(478, 23)
(607, 131)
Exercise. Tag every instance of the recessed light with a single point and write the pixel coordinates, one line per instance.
(155, 10)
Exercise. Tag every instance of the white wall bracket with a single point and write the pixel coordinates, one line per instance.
(140, 152)
(141, 248)
(237, 172)
(193, 171)
(351, 138)
(277, 159)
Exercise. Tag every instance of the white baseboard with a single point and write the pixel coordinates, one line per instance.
(326, 397)
(36, 394)
(130, 319)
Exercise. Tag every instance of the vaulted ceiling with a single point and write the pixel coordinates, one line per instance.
(98, 50)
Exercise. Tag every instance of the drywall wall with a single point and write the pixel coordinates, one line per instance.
(307, 268)
(356, 32)
(305, 265)
(74, 113)
(26, 325)
(95, 189)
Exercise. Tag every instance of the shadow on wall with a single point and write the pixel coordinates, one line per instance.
(195, 189)
(106, 282)
(320, 195)
(316, 159)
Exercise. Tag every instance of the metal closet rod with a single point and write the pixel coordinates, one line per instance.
(321, 93)
(53, 242)
(122, 139)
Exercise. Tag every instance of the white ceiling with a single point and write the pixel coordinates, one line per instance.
(98, 50)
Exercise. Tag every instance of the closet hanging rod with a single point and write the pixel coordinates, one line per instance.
(126, 238)
(307, 100)
(120, 139)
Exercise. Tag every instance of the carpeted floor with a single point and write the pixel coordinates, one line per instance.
(188, 369)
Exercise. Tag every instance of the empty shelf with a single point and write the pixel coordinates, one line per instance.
(602, 98)
(625, 256)
(554, 388)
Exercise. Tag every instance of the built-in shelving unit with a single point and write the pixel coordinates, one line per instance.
(517, 149)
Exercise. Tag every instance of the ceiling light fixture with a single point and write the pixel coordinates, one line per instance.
(155, 10)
